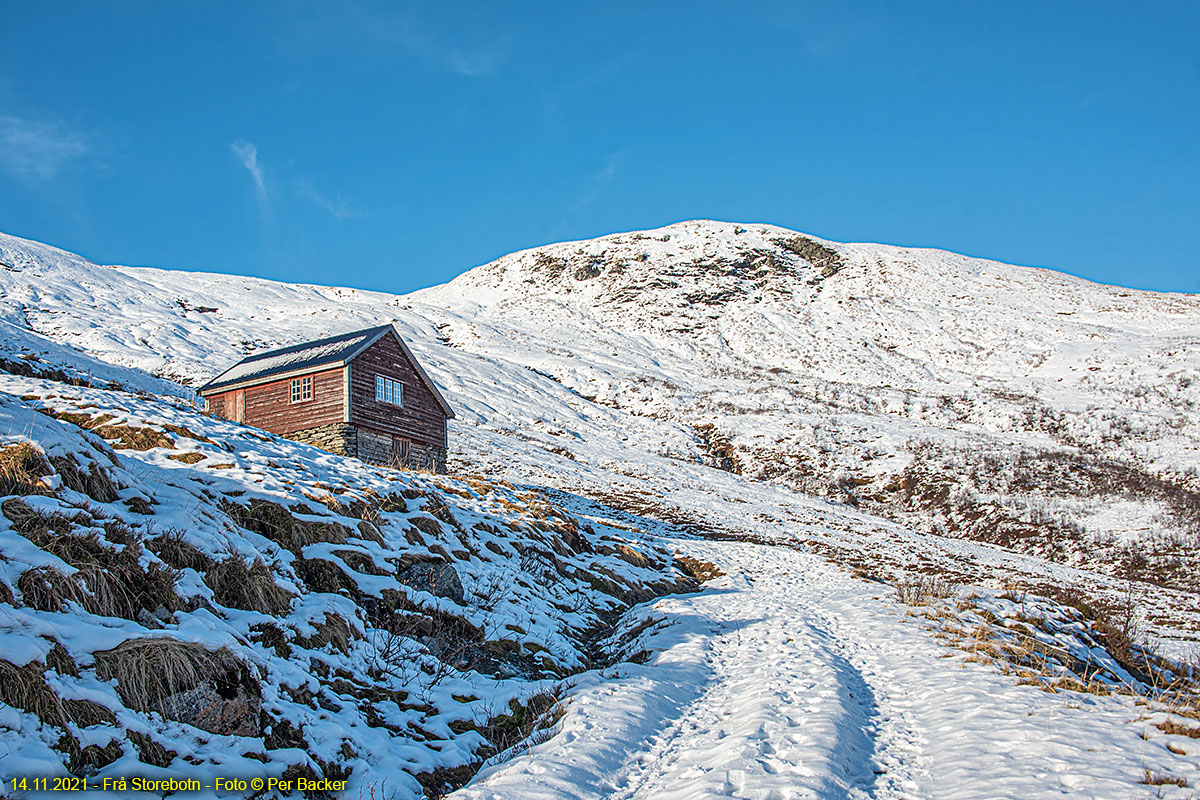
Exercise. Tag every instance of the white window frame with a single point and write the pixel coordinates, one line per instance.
(302, 389)
(389, 390)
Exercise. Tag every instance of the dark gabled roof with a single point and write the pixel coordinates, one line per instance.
(333, 351)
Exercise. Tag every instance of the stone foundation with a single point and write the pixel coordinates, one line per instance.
(426, 457)
(375, 448)
(338, 438)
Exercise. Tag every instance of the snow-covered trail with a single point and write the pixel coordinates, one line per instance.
(789, 679)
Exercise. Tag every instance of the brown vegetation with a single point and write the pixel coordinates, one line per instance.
(183, 681)
(250, 587)
(22, 467)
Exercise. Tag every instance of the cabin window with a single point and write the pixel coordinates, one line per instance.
(389, 390)
(302, 389)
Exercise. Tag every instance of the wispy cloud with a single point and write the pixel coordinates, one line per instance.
(582, 87)
(599, 181)
(473, 60)
(247, 152)
(381, 26)
(336, 206)
(471, 63)
(37, 150)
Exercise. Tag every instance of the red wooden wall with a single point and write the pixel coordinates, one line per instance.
(269, 405)
(420, 420)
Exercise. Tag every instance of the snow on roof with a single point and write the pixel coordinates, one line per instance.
(333, 350)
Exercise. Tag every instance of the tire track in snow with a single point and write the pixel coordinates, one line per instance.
(794, 681)
(752, 696)
(785, 706)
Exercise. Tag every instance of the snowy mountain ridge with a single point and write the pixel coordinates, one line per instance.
(779, 355)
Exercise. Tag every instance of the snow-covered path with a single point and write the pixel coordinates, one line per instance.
(790, 679)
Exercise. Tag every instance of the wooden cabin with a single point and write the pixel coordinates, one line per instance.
(359, 394)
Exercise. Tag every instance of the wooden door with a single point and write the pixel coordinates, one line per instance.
(239, 406)
(400, 451)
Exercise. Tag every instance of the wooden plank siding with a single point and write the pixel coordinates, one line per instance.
(269, 405)
(216, 404)
(420, 420)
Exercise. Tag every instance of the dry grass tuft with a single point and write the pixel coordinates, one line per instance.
(128, 437)
(180, 430)
(95, 482)
(426, 525)
(190, 457)
(123, 588)
(1152, 778)
(334, 631)
(148, 671)
(47, 589)
(151, 752)
(1171, 726)
(700, 570)
(280, 526)
(22, 467)
(59, 660)
(26, 688)
(116, 583)
(250, 587)
(172, 548)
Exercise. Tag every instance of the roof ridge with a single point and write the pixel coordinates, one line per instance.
(309, 344)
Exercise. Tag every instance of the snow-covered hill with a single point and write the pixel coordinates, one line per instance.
(1012, 405)
(901, 413)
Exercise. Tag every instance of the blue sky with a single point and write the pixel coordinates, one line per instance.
(395, 145)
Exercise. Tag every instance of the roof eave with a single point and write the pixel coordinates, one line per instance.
(215, 385)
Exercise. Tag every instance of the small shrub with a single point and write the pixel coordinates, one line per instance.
(530, 722)
(923, 589)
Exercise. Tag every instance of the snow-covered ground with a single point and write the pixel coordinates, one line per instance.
(827, 407)
(788, 680)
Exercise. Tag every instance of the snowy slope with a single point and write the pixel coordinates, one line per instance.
(371, 622)
(897, 412)
(901, 381)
